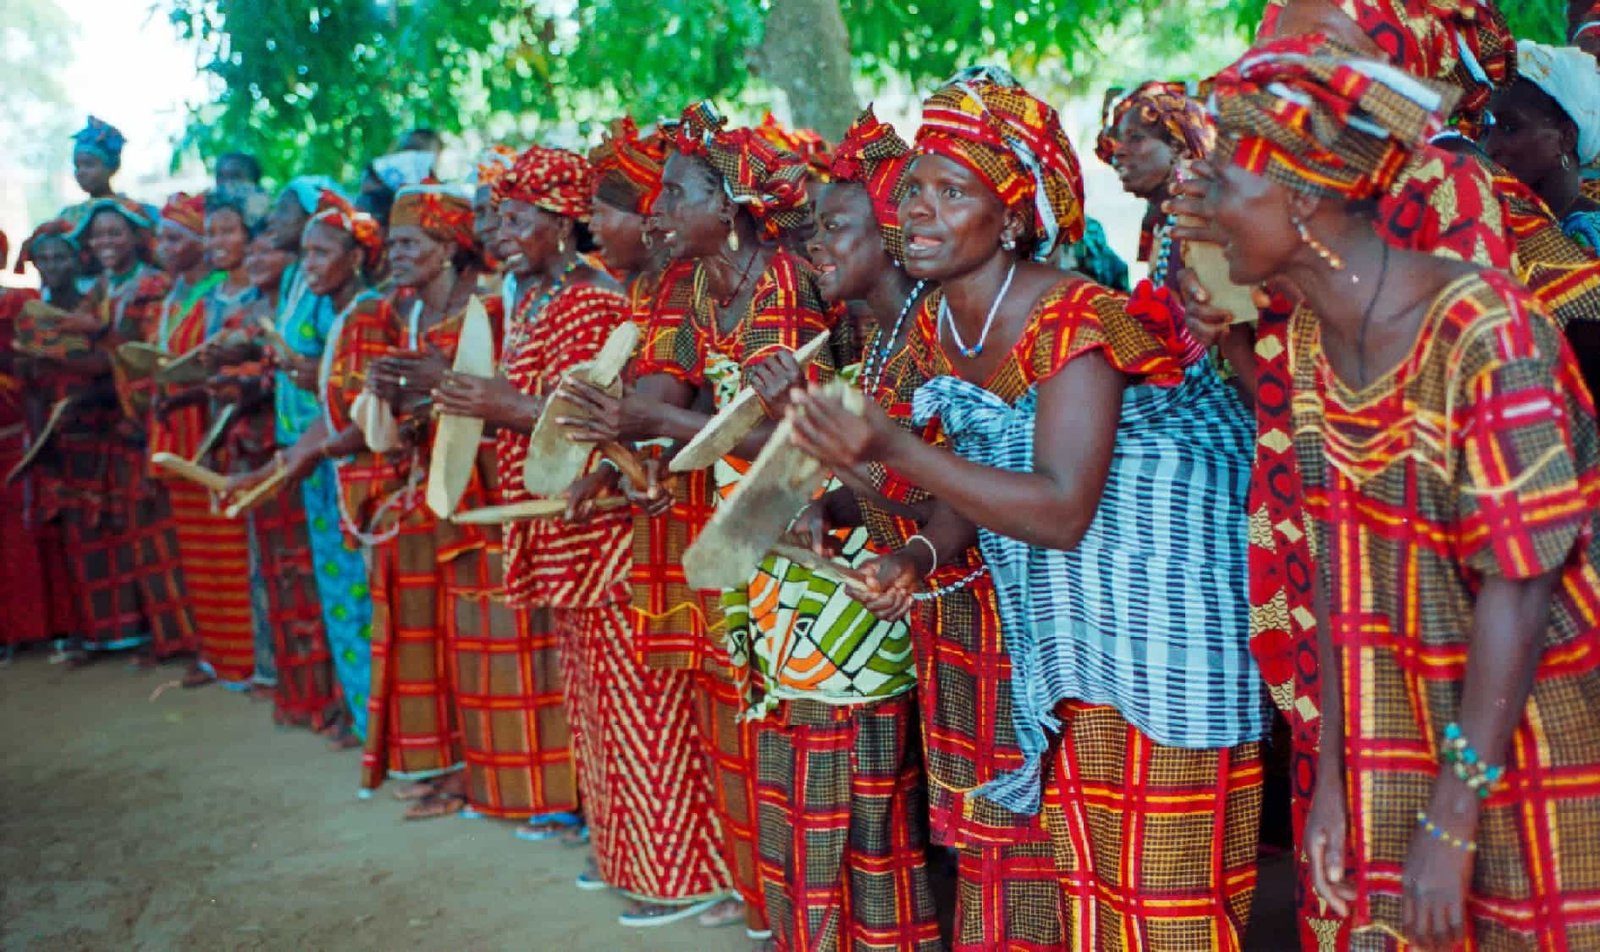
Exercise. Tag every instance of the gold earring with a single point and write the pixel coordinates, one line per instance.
(1323, 251)
(561, 245)
(733, 239)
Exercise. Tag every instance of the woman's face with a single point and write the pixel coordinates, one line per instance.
(535, 233)
(486, 222)
(287, 220)
(113, 241)
(1527, 137)
(1254, 214)
(1143, 157)
(619, 237)
(329, 259)
(226, 239)
(691, 207)
(953, 222)
(178, 249)
(847, 249)
(56, 260)
(265, 263)
(416, 257)
(92, 172)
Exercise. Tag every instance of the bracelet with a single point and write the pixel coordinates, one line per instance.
(952, 588)
(1469, 768)
(919, 537)
(1444, 836)
(608, 461)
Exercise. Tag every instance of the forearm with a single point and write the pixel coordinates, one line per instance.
(346, 442)
(1238, 347)
(1330, 752)
(951, 533)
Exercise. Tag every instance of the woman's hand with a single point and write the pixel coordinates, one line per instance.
(301, 370)
(599, 417)
(240, 483)
(1192, 199)
(583, 492)
(1437, 876)
(492, 399)
(825, 430)
(891, 581)
(407, 376)
(772, 379)
(654, 498)
(1206, 321)
(814, 529)
(1325, 840)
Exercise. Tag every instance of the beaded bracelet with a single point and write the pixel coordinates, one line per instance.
(955, 586)
(1444, 836)
(1469, 768)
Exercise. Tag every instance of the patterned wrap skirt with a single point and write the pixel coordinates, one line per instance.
(305, 692)
(728, 746)
(344, 591)
(214, 552)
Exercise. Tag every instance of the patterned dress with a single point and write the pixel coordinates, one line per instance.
(646, 794)
(1153, 793)
(1475, 457)
(305, 321)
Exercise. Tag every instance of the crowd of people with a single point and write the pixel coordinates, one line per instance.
(1078, 549)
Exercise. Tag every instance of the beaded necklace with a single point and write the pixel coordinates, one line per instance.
(524, 318)
(878, 358)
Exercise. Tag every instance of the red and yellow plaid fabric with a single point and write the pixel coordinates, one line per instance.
(440, 212)
(1009, 897)
(507, 670)
(1155, 846)
(646, 792)
(874, 156)
(1169, 108)
(762, 176)
(1483, 443)
(214, 553)
(54, 228)
(555, 180)
(786, 310)
(334, 211)
(306, 692)
(808, 144)
(727, 743)
(186, 211)
(133, 311)
(1562, 274)
(181, 431)
(628, 165)
(549, 563)
(1419, 36)
(23, 586)
(412, 728)
(844, 828)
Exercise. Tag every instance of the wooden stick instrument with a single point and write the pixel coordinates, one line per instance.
(724, 431)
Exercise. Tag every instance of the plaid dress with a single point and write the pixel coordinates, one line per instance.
(1476, 457)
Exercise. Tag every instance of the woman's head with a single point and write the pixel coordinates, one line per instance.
(994, 171)
(54, 253)
(339, 243)
(493, 163)
(858, 234)
(116, 233)
(1308, 137)
(1547, 123)
(430, 230)
(1150, 130)
(180, 237)
(265, 261)
(627, 177)
(96, 156)
(543, 200)
(234, 215)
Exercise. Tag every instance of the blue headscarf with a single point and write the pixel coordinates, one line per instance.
(102, 139)
(308, 190)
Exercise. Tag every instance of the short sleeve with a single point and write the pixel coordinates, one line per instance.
(369, 332)
(786, 311)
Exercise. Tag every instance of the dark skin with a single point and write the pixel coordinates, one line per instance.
(287, 221)
(183, 255)
(1144, 158)
(114, 243)
(233, 170)
(58, 266)
(619, 237)
(955, 226)
(92, 173)
(486, 228)
(1510, 615)
(423, 264)
(1533, 138)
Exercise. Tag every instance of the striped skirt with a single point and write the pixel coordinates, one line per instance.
(646, 793)
(214, 551)
(514, 733)
(305, 692)
(412, 732)
(844, 828)
(1155, 845)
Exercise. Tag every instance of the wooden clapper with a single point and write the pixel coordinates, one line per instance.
(527, 511)
(555, 461)
(1211, 269)
(58, 410)
(191, 469)
(457, 438)
(747, 524)
(724, 431)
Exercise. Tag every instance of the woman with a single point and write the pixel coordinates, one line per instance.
(213, 549)
(96, 158)
(644, 797)
(292, 657)
(1446, 722)
(502, 659)
(1149, 132)
(1083, 448)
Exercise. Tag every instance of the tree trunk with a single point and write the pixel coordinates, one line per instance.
(806, 53)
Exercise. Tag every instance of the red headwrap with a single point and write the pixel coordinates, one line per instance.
(627, 166)
(1586, 22)
(337, 213)
(443, 214)
(56, 227)
(769, 181)
(1166, 106)
(494, 162)
(984, 120)
(874, 155)
(187, 211)
(555, 180)
(808, 144)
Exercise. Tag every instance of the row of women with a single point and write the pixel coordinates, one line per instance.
(1083, 542)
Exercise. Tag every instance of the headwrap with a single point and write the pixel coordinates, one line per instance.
(986, 121)
(874, 155)
(131, 211)
(54, 228)
(1586, 22)
(399, 169)
(442, 212)
(627, 166)
(767, 180)
(1570, 77)
(808, 144)
(335, 211)
(103, 139)
(1307, 116)
(1166, 106)
(187, 212)
(249, 201)
(1433, 39)
(308, 189)
(555, 180)
(494, 162)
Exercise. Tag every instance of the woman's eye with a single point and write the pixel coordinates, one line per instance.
(950, 191)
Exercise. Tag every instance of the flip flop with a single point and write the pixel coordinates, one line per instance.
(658, 914)
(548, 826)
(439, 805)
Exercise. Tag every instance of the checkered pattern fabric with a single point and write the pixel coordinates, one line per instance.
(1483, 443)
(507, 671)
(786, 310)
(874, 156)
(728, 744)
(763, 177)
(1561, 273)
(1009, 897)
(843, 828)
(214, 553)
(305, 692)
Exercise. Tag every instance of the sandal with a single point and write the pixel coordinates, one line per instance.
(421, 790)
(197, 678)
(438, 805)
(589, 880)
(648, 915)
(548, 826)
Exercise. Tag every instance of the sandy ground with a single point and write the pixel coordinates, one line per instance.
(138, 817)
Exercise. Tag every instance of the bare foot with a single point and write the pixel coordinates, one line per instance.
(728, 912)
(421, 790)
(438, 805)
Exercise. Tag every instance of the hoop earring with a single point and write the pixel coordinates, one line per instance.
(733, 239)
(1323, 251)
(1566, 162)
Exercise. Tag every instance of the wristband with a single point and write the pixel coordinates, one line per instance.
(919, 537)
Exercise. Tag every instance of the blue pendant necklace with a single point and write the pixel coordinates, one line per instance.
(946, 318)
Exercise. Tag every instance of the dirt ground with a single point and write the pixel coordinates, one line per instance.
(136, 816)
